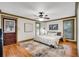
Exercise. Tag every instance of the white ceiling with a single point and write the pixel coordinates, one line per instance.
(54, 10)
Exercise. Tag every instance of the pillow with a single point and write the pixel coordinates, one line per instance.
(52, 34)
(58, 33)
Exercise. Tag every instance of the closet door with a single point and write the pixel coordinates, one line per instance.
(9, 31)
(1, 47)
(69, 29)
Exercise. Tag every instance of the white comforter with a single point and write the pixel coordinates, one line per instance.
(50, 40)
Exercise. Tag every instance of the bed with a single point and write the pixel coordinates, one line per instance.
(49, 39)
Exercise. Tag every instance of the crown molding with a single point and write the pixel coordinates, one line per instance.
(4, 13)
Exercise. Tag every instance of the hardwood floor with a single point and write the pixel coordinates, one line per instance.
(15, 50)
(70, 48)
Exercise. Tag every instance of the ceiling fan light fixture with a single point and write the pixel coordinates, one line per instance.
(41, 19)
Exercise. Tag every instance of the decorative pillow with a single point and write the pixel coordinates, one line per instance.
(52, 34)
(58, 33)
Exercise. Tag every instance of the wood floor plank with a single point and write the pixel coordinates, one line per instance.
(15, 51)
(70, 48)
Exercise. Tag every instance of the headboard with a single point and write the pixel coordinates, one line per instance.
(51, 33)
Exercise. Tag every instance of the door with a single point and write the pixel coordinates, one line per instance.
(1, 49)
(9, 31)
(37, 28)
(69, 29)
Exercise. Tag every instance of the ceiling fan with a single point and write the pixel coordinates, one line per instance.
(42, 16)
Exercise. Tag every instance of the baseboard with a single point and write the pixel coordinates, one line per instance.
(25, 40)
(73, 42)
(70, 41)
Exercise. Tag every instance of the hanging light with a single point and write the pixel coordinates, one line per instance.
(41, 19)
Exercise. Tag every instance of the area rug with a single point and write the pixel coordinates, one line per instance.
(41, 50)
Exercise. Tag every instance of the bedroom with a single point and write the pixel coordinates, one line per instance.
(38, 29)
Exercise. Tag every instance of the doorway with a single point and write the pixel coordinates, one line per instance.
(69, 29)
(9, 31)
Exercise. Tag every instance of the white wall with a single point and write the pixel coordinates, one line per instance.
(60, 25)
(25, 35)
(21, 35)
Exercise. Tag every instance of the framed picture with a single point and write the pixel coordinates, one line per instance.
(53, 27)
(28, 27)
(9, 26)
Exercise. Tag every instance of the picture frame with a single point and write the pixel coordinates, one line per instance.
(9, 26)
(28, 27)
(53, 27)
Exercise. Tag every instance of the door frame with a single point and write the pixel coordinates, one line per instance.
(72, 28)
(2, 24)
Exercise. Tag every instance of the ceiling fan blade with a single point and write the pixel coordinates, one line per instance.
(46, 18)
(41, 16)
(41, 13)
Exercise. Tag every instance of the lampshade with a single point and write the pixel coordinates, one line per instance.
(40, 19)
